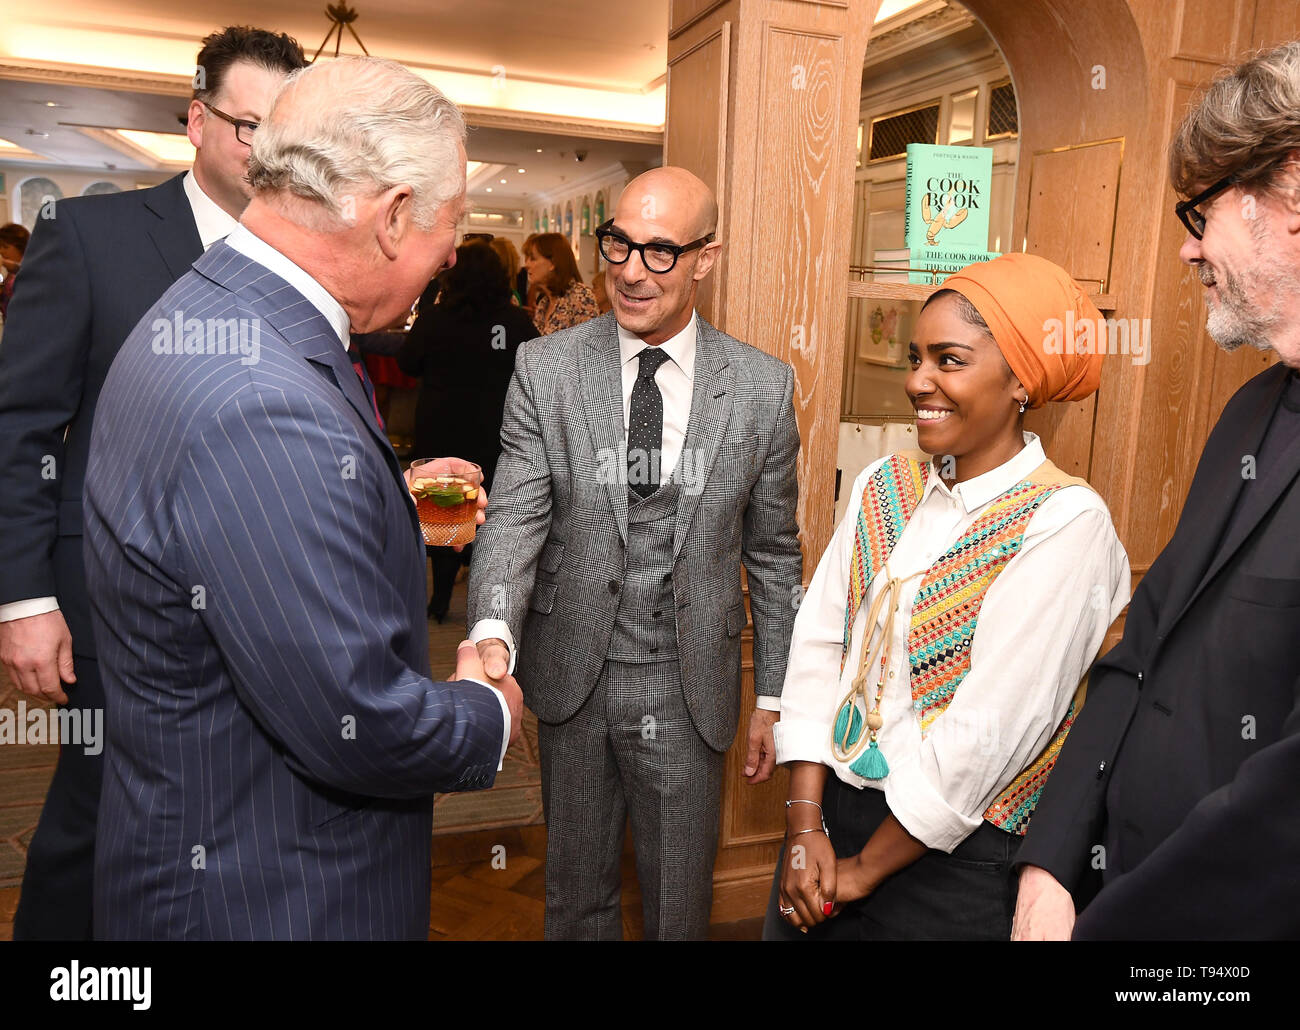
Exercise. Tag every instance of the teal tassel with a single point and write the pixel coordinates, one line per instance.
(871, 764)
(842, 721)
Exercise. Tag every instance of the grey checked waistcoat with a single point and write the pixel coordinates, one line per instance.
(645, 628)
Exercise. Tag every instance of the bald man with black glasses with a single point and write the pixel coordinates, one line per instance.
(645, 457)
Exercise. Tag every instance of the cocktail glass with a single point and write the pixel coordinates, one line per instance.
(446, 499)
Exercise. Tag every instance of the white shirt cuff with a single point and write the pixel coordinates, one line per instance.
(505, 716)
(768, 702)
(487, 629)
(922, 810)
(25, 609)
(800, 741)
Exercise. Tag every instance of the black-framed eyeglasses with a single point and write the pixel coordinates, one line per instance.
(1187, 211)
(657, 257)
(243, 130)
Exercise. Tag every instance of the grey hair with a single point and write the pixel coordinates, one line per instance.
(1246, 125)
(366, 124)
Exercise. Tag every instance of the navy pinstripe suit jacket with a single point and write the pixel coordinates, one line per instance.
(256, 575)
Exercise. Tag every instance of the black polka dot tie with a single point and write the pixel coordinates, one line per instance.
(645, 427)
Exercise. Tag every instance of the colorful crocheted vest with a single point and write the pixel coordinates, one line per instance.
(947, 606)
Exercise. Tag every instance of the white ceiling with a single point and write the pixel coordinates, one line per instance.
(548, 171)
(25, 116)
(604, 57)
(622, 43)
(614, 51)
(28, 121)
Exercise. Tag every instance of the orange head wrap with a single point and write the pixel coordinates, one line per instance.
(1034, 310)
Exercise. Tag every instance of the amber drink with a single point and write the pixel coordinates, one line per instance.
(446, 501)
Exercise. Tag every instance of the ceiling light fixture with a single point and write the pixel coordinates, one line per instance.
(341, 16)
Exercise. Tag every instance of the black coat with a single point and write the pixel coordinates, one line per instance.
(464, 360)
(90, 273)
(1181, 777)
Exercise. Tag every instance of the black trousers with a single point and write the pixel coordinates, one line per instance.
(56, 899)
(446, 563)
(967, 895)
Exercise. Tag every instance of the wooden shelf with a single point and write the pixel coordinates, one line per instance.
(919, 291)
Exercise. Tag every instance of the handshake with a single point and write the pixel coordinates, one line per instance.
(487, 663)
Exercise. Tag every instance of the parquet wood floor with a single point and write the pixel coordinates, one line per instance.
(473, 897)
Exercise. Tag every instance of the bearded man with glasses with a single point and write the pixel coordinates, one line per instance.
(1178, 781)
(645, 456)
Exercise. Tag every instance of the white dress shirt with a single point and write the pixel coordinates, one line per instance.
(676, 381)
(257, 249)
(213, 224)
(1042, 622)
(212, 221)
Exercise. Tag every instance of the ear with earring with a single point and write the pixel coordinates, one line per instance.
(1021, 403)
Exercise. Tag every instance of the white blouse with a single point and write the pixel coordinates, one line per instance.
(1040, 627)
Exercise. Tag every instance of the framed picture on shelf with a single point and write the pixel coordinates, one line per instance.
(886, 332)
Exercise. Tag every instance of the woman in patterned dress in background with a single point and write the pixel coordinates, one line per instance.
(555, 288)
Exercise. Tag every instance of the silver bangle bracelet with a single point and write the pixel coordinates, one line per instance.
(811, 829)
(803, 801)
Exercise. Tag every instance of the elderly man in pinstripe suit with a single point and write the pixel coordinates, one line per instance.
(645, 455)
(254, 561)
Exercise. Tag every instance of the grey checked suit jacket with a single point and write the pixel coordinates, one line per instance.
(274, 741)
(550, 559)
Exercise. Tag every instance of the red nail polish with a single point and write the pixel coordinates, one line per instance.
(826, 908)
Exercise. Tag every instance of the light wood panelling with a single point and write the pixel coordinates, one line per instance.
(918, 291)
(699, 139)
(1275, 23)
(1072, 193)
(1175, 412)
(682, 14)
(798, 219)
(786, 115)
(1066, 431)
(1071, 206)
(1208, 29)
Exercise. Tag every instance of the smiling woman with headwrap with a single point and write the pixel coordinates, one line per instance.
(937, 657)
